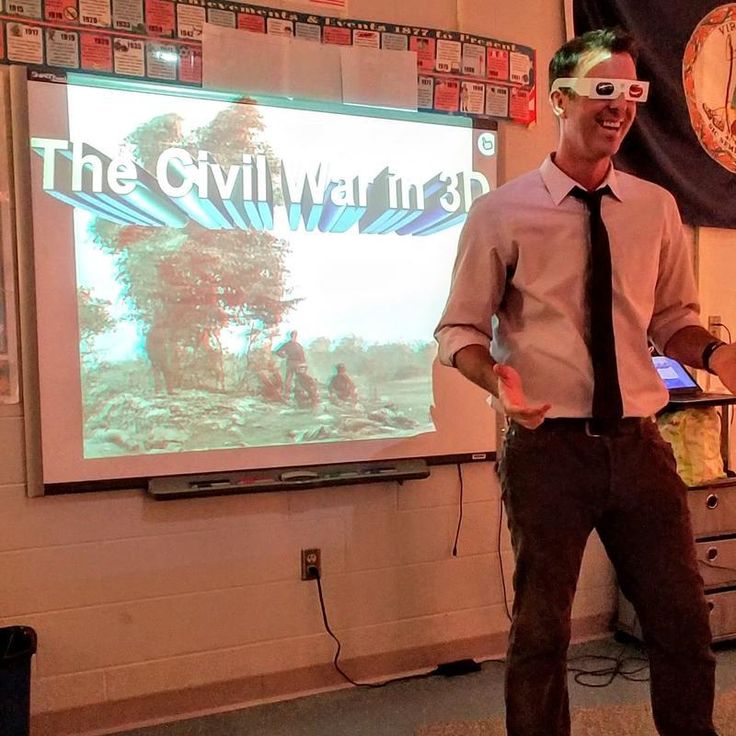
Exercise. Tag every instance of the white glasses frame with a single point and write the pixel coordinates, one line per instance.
(633, 90)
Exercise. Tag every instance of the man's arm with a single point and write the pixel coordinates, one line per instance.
(464, 332)
(687, 346)
(503, 381)
(476, 364)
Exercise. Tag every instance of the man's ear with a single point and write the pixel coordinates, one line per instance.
(556, 99)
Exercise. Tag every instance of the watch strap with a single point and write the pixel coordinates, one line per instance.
(708, 351)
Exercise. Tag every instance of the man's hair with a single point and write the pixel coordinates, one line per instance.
(567, 58)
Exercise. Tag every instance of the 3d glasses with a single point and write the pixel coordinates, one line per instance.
(604, 89)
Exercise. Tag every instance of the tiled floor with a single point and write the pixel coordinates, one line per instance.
(399, 709)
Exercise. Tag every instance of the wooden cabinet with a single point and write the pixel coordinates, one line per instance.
(713, 515)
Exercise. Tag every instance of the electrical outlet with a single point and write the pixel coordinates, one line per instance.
(714, 325)
(311, 564)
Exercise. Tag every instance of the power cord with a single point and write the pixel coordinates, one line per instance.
(460, 514)
(448, 669)
(720, 324)
(498, 538)
(347, 677)
(728, 332)
(618, 666)
(627, 668)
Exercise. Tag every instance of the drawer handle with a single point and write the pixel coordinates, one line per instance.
(711, 501)
(712, 553)
(711, 606)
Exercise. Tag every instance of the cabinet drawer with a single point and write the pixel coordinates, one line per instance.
(713, 509)
(717, 562)
(722, 614)
(722, 607)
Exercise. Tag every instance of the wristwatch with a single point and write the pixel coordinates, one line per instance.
(708, 351)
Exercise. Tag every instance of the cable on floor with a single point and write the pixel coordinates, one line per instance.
(612, 667)
(627, 668)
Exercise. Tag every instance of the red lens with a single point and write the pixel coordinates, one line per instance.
(636, 90)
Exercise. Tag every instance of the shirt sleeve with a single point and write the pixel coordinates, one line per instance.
(676, 299)
(477, 285)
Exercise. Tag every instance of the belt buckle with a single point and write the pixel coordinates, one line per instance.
(589, 431)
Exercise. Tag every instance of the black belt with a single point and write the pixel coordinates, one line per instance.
(595, 427)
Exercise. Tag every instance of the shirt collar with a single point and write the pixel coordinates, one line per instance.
(559, 184)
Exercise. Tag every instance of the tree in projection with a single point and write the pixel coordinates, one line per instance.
(94, 317)
(185, 285)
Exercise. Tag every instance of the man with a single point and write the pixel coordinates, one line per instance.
(306, 391)
(293, 354)
(164, 353)
(341, 388)
(575, 379)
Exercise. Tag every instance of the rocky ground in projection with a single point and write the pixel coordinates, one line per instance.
(122, 418)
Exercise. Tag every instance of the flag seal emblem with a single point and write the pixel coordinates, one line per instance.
(709, 82)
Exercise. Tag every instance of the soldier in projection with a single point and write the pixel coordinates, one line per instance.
(306, 392)
(271, 382)
(163, 354)
(341, 388)
(293, 354)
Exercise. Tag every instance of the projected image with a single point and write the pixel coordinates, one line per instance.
(251, 276)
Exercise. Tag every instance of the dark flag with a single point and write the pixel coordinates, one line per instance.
(684, 137)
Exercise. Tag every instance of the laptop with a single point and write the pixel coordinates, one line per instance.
(683, 387)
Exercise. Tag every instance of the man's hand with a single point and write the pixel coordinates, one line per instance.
(723, 363)
(474, 362)
(511, 394)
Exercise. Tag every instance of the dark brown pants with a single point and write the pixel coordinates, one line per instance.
(558, 485)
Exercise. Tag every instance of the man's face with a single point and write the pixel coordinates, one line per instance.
(593, 129)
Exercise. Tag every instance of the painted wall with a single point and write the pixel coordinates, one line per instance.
(150, 611)
(717, 278)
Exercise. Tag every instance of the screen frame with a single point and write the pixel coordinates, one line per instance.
(23, 195)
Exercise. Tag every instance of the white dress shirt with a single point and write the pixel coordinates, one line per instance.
(519, 287)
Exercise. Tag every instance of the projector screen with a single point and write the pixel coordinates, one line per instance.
(226, 284)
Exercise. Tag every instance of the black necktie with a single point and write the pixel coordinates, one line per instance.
(607, 403)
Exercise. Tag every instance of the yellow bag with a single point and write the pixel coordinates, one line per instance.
(695, 436)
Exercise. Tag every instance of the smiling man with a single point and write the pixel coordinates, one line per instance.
(563, 276)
